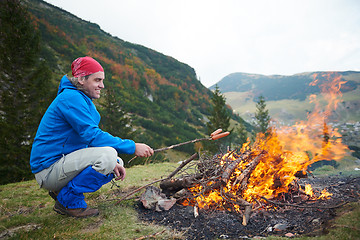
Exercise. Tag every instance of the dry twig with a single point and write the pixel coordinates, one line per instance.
(150, 236)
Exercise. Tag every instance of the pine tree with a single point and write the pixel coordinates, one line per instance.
(219, 118)
(24, 90)
(262, 116)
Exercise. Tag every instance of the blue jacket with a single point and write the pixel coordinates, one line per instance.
(71, 123)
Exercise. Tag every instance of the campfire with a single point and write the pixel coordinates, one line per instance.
(260, 181)
(265, 174)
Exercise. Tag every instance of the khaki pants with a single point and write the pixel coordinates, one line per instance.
(102, 160)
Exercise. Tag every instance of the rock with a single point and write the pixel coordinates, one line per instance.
(316, 221)
(224, 236)
(152, 198)
(289, 235)
(281, 227)
(166, 204)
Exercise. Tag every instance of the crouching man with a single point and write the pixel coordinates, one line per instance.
(71, 155)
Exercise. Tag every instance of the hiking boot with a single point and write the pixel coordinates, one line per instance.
(59, 208)
(76, 212)
(53, 195)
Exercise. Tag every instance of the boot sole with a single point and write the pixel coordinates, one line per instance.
(60, 211)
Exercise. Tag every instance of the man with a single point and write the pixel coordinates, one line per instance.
(71, 155)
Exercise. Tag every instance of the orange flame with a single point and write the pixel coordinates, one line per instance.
(308, 190)
(286, 151)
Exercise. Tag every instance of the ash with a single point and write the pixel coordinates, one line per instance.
(310, 220)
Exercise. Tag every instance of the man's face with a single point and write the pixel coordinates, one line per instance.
(93, 85)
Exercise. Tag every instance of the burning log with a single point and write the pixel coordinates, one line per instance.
(231, 167)
(175, 185)
(247, 172)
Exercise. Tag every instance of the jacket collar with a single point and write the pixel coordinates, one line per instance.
(65, 84)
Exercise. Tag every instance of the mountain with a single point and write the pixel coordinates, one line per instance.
(287, 97)
(166, 101)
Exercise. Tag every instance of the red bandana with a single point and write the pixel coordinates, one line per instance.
(84, 66)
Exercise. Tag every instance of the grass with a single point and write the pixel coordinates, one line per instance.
(346, 167)
(26, 213)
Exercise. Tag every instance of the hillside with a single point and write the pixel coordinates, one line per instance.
(287, 97)
(166, 101)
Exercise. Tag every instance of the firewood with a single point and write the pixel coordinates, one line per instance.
(301, 174)
(250, 168)
(246, 215)
(235, 199)
(231, 167)
(178, 183)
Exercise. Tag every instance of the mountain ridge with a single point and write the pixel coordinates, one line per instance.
(242, 82)
(287, 96)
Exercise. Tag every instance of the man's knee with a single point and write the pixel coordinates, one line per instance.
(105, 164)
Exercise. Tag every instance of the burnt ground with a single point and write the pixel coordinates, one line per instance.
(280, 221)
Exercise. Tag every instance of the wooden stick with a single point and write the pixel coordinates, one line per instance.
(180, 144)
(246, 215)
(176, 145)
(159, 180)
(213, 137)
(183, 165)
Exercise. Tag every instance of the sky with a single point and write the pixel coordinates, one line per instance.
(220, 37)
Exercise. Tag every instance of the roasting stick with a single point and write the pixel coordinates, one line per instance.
(213, 136)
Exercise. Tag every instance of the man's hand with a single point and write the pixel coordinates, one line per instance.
(120, 172)
(143, 150)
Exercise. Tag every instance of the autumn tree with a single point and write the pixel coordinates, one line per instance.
(24, 90)
(262, 116)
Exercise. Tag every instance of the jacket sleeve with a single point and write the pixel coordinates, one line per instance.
(77, 112)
